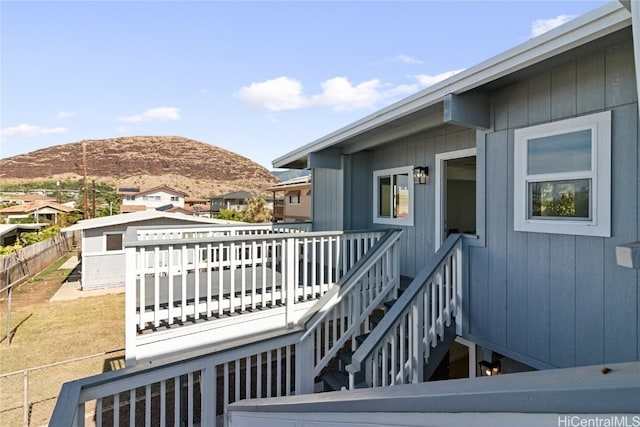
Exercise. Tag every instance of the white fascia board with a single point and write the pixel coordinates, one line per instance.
(583, 29)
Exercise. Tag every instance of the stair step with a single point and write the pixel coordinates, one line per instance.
(389, 304)
(360, 338)
(375, 317)
(335, 380)
(345, 357)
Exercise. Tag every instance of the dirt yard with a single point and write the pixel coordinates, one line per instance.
(45, 332)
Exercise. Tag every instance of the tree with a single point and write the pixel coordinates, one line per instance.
(229, 215)
(256, 210)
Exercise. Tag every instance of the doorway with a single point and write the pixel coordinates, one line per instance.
(455, 204)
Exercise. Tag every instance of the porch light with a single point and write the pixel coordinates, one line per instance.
(420, 174)
(488, 369)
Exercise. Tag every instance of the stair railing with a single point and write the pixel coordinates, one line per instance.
(398, 347)
(342, 313)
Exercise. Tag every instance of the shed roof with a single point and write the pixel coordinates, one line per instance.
(8, 228)
(107, 221)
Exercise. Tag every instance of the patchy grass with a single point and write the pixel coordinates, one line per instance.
(47, 332)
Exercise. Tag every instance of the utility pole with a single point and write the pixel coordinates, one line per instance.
(84, 181)
(93, 194)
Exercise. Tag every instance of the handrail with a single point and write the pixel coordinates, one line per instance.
(397, 309)
(320, 309)
(74, 394)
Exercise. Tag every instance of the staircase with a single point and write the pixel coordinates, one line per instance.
(368, 329)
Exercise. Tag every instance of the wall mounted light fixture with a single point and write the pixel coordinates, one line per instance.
(488, 369)
(420, 174)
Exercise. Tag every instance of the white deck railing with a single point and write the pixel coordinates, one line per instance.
(189, 392)
(343, 312)
(397, 349)
(196, 389)
(171, 281)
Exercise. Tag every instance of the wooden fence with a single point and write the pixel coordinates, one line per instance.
(30, 260)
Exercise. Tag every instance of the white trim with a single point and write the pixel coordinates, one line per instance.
(598, 23)
(440, 159)
(599, 223)
(376, 198)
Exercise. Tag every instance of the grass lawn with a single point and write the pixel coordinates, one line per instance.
(47, 332)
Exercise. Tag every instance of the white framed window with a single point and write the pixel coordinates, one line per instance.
(113, 242)
(393, 196)
(175, 198)
(562, 177)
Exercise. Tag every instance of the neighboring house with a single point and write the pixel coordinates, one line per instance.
(102, 250)
(153, 198)
(534, 154)
(197, 206)
(295, 197)
(497, 200)
(235, 200)
(39, 210)
(10, 233)
(27, 198)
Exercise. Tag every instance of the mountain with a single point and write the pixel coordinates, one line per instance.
(286, 175)
(191, 166)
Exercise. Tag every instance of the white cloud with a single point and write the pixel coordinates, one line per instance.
(541, 26)
(281, 93)
(65, 114)
(154, 114)
(28, 131)
(406, 59)
(341, 95)
(285, 93)
(426, 80)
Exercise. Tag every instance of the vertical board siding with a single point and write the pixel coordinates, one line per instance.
(327, 199)
(562, 301)
(497, 236)
(567, 301)
(517, 250)
(620, 285)
(590, 83)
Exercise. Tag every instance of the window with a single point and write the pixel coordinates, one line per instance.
(294, 197)
(562, 177)
(174, 198)
(393, 196)
(129, 197)
(114, 242)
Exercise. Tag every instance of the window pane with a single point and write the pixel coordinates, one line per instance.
(560, 199)
(566, 152)
(114, 242)
(384, 192)
(401, 207)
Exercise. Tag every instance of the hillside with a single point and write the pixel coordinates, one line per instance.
(195, 167)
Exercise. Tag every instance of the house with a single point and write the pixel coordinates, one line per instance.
(26, 198)
(235, 200)
(469, 230)
(39, 210)
(10, 233)
(102, 250)
(133, 198)
(296, 199)
(197, 205)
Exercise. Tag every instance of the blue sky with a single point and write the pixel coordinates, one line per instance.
(256, 78)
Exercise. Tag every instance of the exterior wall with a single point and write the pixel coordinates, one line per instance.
(300, 211)
(165, 199)
(418, 150)
(554, 300)
(327, 206)
(102, 269)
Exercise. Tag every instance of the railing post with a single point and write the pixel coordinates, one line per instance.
(458, 288)
(25, 403)
(304, 365)
(130, 306)
(290, 279)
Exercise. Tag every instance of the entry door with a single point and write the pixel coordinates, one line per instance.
(455, 207)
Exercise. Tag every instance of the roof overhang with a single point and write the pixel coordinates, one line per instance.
(425, 109)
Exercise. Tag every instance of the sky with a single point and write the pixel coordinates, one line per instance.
(256, 78)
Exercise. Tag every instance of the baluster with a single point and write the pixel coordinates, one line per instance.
(132, 407)
(220, 279)
(279, 372)
(147, 405)
(156, 286)
(190, 399)
(143, 285)
(254, 272)
(247, 377)
(323, 287)
(163, 403)
(170, 284)
(243, 273)
(183, 275)
(209, 278)
(196, 281)
(116, 410)
(232, 278)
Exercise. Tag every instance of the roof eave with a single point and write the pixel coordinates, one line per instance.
(583, 29)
